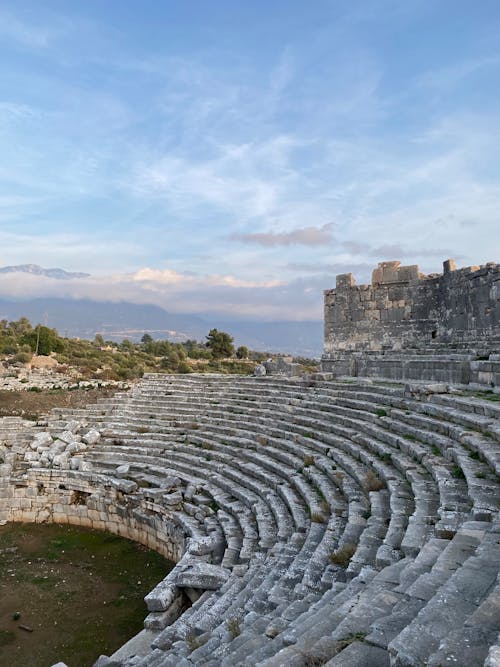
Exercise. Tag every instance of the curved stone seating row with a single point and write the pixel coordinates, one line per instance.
(353, 523)
(187, 413)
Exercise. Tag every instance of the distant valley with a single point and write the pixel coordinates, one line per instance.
(84, 318)
(118, 320)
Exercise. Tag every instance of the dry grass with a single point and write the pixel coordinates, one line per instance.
(325, 506)
(233, 626)
(193, 642)
(343, 555)
(372, 483)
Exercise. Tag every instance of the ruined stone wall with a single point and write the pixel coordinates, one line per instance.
(52, 496)
(403, 308)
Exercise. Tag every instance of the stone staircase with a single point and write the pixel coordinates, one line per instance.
(352, 524)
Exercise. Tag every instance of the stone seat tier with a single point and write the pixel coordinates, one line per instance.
(237, 525)
(240, 453)
(282, 474)
(236, 477)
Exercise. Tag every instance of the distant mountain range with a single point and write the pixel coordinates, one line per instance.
(84, 318)
(59, 274)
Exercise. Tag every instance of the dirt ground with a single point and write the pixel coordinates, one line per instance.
(36, 404)
(79, 593)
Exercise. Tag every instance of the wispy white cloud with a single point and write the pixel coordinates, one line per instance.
(147, 157)
(443, 79)
(308, 236)
(26, 33)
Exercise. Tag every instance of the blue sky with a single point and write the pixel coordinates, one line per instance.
(235, 156)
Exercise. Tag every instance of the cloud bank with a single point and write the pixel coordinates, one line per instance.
(178, 292)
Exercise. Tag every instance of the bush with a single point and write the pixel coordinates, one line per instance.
(24, 355)
(242, 352)
(43, 340)
(184, 367)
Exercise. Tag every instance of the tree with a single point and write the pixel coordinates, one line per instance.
(43, 340)
(242, 352)
(21, 326)
(147, 338)
(220, 343)
(99, 340)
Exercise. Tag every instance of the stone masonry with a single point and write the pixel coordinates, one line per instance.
(408, 325)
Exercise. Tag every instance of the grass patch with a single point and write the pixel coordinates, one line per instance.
(6, 637)
(193, 642)
(81, 591)
(372, 483)
(233, 626)
(343, 555)
(381, 413)
(458, 473)
(347, 641)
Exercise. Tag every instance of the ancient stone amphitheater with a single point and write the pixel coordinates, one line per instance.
(313, 521)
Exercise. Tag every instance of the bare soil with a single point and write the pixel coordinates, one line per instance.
(79, 593)
(36, 404)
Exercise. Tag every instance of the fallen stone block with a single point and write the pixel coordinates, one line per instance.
(123, 470)
(41, 440)
(162, 596)
(200, 575)
(91, 437)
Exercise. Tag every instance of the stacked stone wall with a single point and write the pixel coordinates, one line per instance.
(385, 328)
(403, 308)
(51, 496)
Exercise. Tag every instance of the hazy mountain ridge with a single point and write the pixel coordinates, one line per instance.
(35, 269)
(118, 320)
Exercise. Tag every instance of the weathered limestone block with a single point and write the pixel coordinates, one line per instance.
(41, 440)
(91, 437)
(123, 470)
(68, 436)
(200, 575)
(162, 596)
